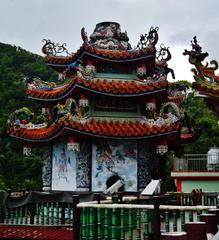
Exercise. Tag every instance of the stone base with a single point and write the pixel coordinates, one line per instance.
(46, 189)
(174, 236)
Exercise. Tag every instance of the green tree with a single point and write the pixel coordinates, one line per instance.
(206, 120)
(16, 171)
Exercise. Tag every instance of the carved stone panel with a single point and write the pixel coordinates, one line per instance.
(147, 164)
(47, 169)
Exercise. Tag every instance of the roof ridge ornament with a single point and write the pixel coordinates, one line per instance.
(196, 56)
(54, 49)
(202, 73)
(84, 36)
(149, 39)
(163, 55)
(107, 35)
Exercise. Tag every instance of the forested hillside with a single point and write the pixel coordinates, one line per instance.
(18, 172)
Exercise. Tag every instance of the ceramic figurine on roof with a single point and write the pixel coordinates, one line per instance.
(112, 105)
(206, 78)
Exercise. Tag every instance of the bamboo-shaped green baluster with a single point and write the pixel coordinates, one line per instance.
(87, 219)
(198, 215)
(21, 215)
(99, 235)
(83, 224)
(52, 213)
(190, 216)
(16, 216)
(42, 214)
(37, 214)
(47, 213)
(25, 215)
(174, 221)
(146, 225)
(12, 216)
(182, 220)
(91, 223)
(68, 213)
(6, 216)
(138, 224)
(122, 229)
(130, 224)
(167, 221)
(57, 213)
(106, 224)
(113, 231)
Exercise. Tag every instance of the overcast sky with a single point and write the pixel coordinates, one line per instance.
(26, 22)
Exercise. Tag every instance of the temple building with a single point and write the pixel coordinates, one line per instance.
(111, 114)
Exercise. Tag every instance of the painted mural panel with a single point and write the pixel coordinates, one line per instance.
(71, 170)
(63, 168)
(114, 158)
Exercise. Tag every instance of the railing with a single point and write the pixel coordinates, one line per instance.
(197, 163)
(45, 213)
(134, 221)
(196, 197)
(104, 220)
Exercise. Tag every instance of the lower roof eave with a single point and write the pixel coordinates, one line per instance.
(84, 88)
(93, 135)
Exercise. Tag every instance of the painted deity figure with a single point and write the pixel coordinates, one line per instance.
(62, 164)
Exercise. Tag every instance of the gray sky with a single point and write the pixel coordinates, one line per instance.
(26, 22)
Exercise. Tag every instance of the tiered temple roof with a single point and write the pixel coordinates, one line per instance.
(104, 66)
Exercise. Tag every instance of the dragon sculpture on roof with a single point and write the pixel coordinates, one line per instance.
(204, 74)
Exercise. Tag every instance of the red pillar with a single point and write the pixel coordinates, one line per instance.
(76, 219)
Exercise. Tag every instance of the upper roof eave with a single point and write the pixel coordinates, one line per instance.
(102, 54)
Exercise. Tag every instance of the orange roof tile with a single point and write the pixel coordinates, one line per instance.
(93, 127)
(210, 90)
(101, 86)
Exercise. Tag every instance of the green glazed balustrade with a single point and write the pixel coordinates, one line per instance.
(130, 223)
(115, 222)
(43, 214)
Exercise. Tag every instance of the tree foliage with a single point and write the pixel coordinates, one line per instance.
(207, 122)
(16, 171)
